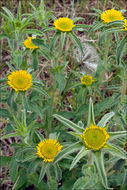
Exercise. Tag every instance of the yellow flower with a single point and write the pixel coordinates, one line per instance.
(95, 137)
(125, 24)
(20, 80)
(111, 15)
(64, 24)
(48, 149)
(28, 43)
(87, 80)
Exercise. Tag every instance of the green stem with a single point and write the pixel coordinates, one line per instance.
(51, 110)
(108, 38)
(48, 176)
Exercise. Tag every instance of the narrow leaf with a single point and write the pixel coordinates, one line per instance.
(33, 166)
(54, 40)
(105, 119)
(120, 49)
(34, 60)
(76, 41)
(115, 135)
(98, 158)
(81, 154)
(40, 136)
(69, 123)
(115, 151)
(29, 158)
(58, 172)
(62, 39)
(10, 135)
(8, 12)
(74, 147)
(43, 171)
(36, 88)
(91, 120)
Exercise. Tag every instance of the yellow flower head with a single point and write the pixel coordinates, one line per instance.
(64, 24)
(20, 80)
(87, 80)
(48, 149)
(125, 24)
(28, 43)
(95, 137)
(111, 15)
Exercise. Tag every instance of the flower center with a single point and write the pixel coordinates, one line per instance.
(49, 150)
(64, 25)
(95, 137)
(87, 80)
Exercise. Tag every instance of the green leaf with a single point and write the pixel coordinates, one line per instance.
(52, 183)
(96, 26)
(4, 160)
(8, 12)
(34, 60)
(98, 158)
(76, 41)
(33, 31)
(58, 172)
(40, 136)
(36, 88)
(54, 40)
(62, 39)
(31, 157)
(10, 135)
(111, 30)
(46, 54)
(81, 154)
(74, 147)
(115, 151)
(120, 49)
(46, 29)
(115, 135)
(19, 12)
(19, 124)
(21, 179)
(33, 166)
(25, 21)
(105, 119)
(13, 168)
(91, 120)
(30, 126)
(81, 183)
(3, 36)
(10, 66)
(43, 171)
(39, 43)
(69, 123)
